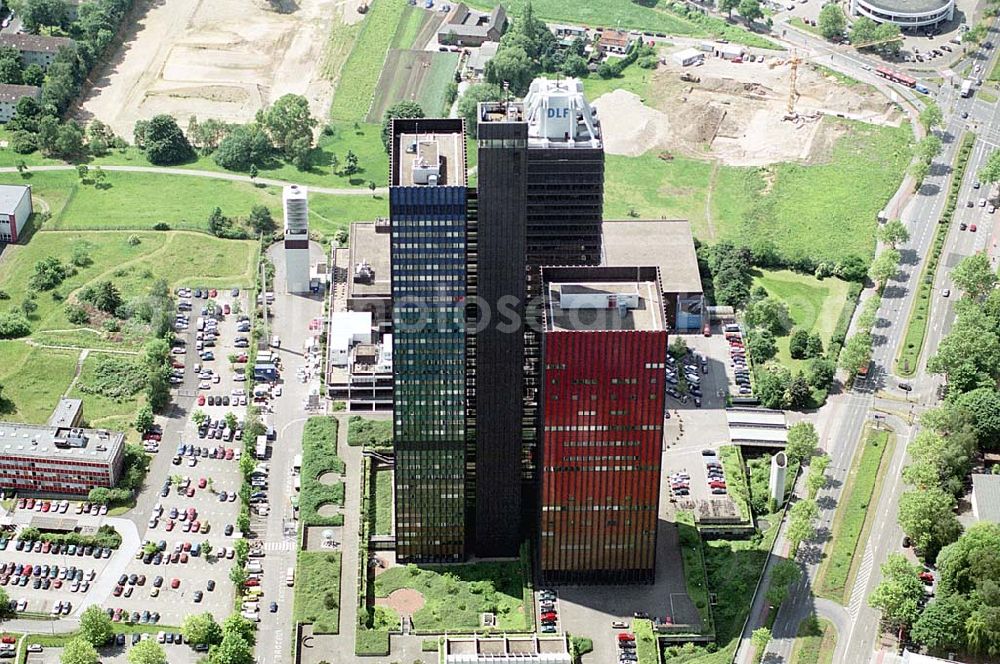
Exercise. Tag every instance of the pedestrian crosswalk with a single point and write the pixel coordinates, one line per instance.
(284, 545)
(861, 582)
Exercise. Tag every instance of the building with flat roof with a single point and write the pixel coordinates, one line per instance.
(602, 391)
(68, 413)
(369, 284)
(50, 459)
(465, 27)
(35, 49)
(15, 210)
(11, 94)
(668, 245)
(905, 13)
(428, 251)
(513, 649)
(986, 497)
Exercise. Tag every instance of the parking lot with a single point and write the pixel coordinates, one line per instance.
(176, 654)
(198, 496)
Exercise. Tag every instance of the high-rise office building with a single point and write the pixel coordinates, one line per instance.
(295, 205)
(428, 204)
(540, 202)
(604, 347)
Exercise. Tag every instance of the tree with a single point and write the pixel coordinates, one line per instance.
(37, 13)
(233, 649)
(29, 306)
(33, 75)
(940, 461)
(201, 628)
(965, 565)
(80, 254)
(253, 172)
(728, 6)
(81, 172)
(797, 344)
(243, 146)
(762, 345)
(975, 275)
(468, 104)
(261, 221)
(14, 325)
(863, 30)
(574, 66)
(144, 419)
(403, 109)
(78, 651)
(899, 593)
(929, 147)
(772, 386)
(288, 123)
(798, 394)
(511, 65)
(770, 314)
(941, 625)
(68, 140)
(930, 116)
(983, 407)
(820, 372)
(206, 547)
(237, 624)
(10, 71)
(750, 10)
(95, 626)
(893, 233)
(802, 522)
(832, 21)
(372, 186)
(350, 163)
(760, 638)
(164, 142)
(884, 267)
(803, 442)
(678, 348)
(147, 652)
(927, 516)
(816, 479)
(22, 168)
(991, 171)
(783, 575)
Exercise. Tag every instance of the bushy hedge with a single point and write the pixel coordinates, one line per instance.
(371, 642)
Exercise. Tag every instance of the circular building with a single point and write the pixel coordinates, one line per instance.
(905, 13)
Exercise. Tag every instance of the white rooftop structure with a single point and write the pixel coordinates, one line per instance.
(346, 329)
(558, 115)
(755, 417)
(295, 203)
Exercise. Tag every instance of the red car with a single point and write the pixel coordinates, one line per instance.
(927, 577)
(46, 506)
(229, 454)
(626, 636)
(551, 615)
(7, 638)
(242, 358)
(175, 583)
(212, 292)
(202, 482)
(170, 525)
(717, 484)
(201, 399)
(972, 228)
(117, 592)
(177, 364)
(153, 435)
(251, 582)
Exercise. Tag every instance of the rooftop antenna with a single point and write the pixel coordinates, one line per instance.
(506, 95)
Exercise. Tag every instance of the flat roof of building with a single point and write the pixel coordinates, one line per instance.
(986, 491)
(597, 315)
(668, 245)
(369, 246)
(908, 7)
(66, 412)
(11, 195)
(539, 649)
(755, 417)
(40, 441)
(556, 112)
(443, 150)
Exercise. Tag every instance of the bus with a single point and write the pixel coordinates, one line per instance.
(896, 77)
(967, 87)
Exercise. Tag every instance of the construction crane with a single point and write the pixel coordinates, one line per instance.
(793, 94)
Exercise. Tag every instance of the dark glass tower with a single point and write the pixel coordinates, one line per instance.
(428, 212)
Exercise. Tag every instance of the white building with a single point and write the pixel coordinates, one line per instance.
(905, 13)
(15, 209)
(295, 203)
(346, 329)
(729, 51)
(35, 49)
(688, 57)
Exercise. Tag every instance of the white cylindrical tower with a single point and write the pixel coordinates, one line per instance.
(295, 203)
(779, 469)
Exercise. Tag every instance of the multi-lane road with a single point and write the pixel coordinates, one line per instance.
(841, 421)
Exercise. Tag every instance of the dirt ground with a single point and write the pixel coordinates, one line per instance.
(221, 59)
(405, 601)
(735, 113)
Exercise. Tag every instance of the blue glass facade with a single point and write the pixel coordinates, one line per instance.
(428, 249)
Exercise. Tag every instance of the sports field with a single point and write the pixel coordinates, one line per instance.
(419, 76)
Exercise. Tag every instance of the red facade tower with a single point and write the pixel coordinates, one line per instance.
(602, 394)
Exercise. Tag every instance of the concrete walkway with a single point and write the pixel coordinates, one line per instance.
(233, 177)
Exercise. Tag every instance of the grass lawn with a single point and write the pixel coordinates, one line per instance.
(817, 639)
(815, 211)
(799, 23)
(694, 567)
(317, 591)
(329, 214)
(646, 643)
(455, 595)
(179, 257)
(319, 457)
(814, 305)
(33, 379)
(371, 433)
(731, 459)
(634, 79)
(760, 478)
(338, 47)
(442, 72)
(850, 523)
(383, 502)
(359, 75)
(986, 96)
(410, 24)
(103, 412)
(654, 188)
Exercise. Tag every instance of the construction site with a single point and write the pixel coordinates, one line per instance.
(742, 113)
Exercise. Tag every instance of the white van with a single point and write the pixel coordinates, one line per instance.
(297, 464)
(249, 615)
(290, 577)
(254, 567)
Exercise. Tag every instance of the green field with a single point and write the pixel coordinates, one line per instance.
(813, 305)
(317, 591)
(360, 74)
(635, 79)
(100, 411)
(33, 380)
(329, 214)
(179, 257)
(816, 642)
(694, 567)
(367, 432)
(411, 23)
(319, 458)
(850, 523)
(383, 502)
(455, 595)
(731, 459)
(411, 75)
(646, 644)
(653, 188)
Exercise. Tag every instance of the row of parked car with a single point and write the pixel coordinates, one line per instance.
(738, 359)
(58, 548)
(626, 648)
(60, 506)
(548, 615)
(691, 368)
(46, 577)
(714, 472)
